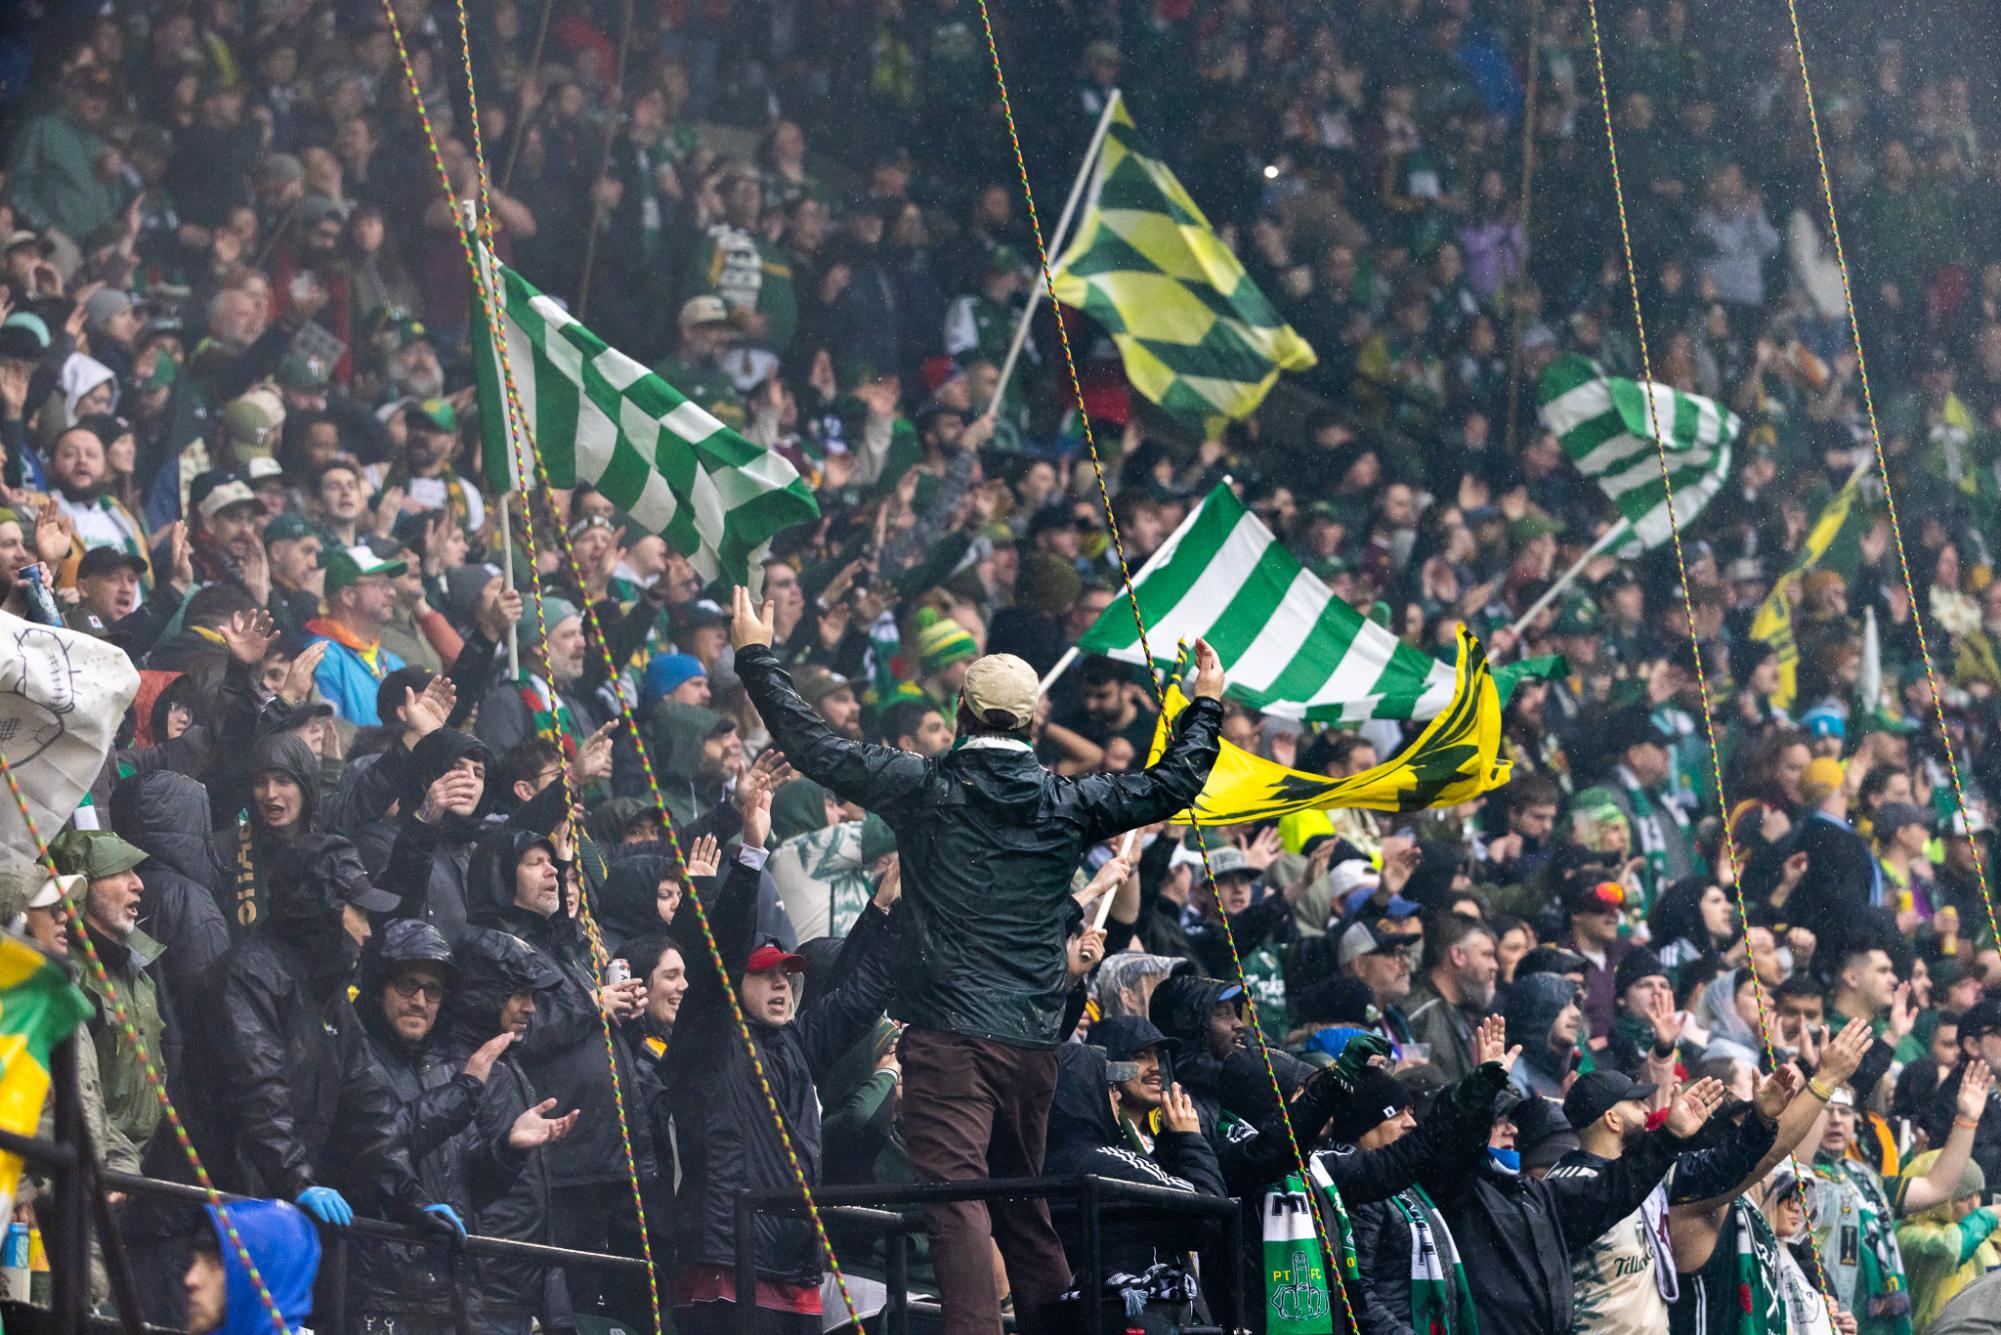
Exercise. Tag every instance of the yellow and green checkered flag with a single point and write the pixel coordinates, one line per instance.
(39, 1008)
(1196, 335)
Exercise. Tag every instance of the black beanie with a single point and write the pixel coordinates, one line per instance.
(1639, 963)
(1378, 1097)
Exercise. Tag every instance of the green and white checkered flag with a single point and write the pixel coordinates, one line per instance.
(1607, 428)
(600, 417)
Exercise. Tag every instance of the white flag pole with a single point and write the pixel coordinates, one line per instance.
(1056, 242)
(488, 295)
(1569, 577)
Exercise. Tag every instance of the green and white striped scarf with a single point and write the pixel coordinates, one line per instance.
(1441, 1301)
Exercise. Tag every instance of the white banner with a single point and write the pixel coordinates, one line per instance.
(62, 696)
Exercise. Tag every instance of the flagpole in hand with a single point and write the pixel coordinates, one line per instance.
(1208, 686)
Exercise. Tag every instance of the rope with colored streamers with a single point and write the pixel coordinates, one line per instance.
(518, 420)
(571, 804)
(130, 1029)
(1334, 1257)
(1732, 863)
(1883, 472)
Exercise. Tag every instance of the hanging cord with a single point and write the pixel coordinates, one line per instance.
(570, 797)
(1883, 472)
(1334, 1257)
(518, 421)
(129, 1028)
(1731, 861)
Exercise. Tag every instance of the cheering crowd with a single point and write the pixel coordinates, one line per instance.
(391, 868)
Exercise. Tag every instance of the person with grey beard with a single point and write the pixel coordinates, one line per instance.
(1456, 992)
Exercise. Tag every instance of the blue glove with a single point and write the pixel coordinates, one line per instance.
(327, 1205)
(449, 1216)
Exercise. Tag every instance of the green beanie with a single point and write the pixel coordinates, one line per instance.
(942, 641)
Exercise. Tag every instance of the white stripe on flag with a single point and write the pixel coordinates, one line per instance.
(1209, 597)
(1563, 413)
(1355, 677)
(1647, 471)
(1278, 641)
(691, 422)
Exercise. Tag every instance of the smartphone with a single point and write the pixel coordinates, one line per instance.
(618, 971)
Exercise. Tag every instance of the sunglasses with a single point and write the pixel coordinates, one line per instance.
(410, 987)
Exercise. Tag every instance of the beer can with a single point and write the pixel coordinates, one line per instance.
(14, 1264)
(618, 971)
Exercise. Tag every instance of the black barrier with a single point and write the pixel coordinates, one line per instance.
(1095, 1197)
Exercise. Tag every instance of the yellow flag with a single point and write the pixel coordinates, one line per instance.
(39, 1008)
(1773, 623)
(1455, 758)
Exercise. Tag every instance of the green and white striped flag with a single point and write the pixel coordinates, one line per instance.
(600, 417)
(1291, 648)
(1607, 428)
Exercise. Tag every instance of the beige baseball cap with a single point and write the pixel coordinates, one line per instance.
(1000, 684)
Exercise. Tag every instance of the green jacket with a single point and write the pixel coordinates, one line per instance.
(129, 1103)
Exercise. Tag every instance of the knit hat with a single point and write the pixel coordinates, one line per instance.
(1378, 1097)
(667, 673)
(1637, 964)
(1823, 776)
(1048, 583)
(942, 641)
(555, 611)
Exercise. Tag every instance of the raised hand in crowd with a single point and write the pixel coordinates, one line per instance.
(535, 1128)
(1693, 1105)
(703, 856)
(247, 635)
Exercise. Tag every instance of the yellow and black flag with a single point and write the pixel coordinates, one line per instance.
(1455, 758)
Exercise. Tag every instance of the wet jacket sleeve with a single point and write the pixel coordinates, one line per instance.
(1375, 1175)
(472, 673)
(439, 1113)
(1702, 1175)
(880, 778)
(408, 873)
(365, 792)
(1587, 1206)
(1114, 803)
(841, 1016)
(255, 1086)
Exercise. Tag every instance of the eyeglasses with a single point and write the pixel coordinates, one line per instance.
(410, 987)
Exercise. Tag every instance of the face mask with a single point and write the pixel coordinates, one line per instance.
(1508, 1161)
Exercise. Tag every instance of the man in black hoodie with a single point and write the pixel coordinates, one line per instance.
(165, 814)
(1104, 1127)
(445, 800)
(405, 975)
(525, 884)
(502, 984)
(988, 841)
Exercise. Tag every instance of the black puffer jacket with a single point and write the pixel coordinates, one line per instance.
(563, 1052)
(166, 815)
(282, 1093)
(508, 1190)
(988, 840)
(435, 1105)
(244, 850)
(429, 864)
(723, 1125)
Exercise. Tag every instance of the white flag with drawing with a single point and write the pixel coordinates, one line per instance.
(62, 696)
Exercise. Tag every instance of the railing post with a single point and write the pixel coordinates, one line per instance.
(1233, 1243)
(746, 1265)
(898, 1273)
(331, 1292)
(69, 1249)
(1094, 1259)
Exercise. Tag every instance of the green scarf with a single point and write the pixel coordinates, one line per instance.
(1760, 1274)
(548, 713)
(1855, 1230)
(1296, 1298)
(1441, 1301)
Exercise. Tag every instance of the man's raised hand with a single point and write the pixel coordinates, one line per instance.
(247, 635)
(535, 1127)
(1693, 1106)
(750, 625)
(1490, 1044)
(1973, 1088)
(297, 687)
(1844, 1055)
(703, 856)
(1208, 672)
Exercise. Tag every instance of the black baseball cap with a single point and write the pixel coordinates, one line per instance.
(1593, 1096)
(1542, 1135)
(103, 560)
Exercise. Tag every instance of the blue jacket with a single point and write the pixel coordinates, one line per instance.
(286, 1249)
(347, 682)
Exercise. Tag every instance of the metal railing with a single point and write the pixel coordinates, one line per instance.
(1096, 1198)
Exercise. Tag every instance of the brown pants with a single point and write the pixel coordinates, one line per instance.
(975, 1109)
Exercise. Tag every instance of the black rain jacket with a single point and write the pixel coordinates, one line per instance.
(988, 840)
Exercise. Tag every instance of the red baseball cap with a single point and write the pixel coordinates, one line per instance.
(767, 957)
